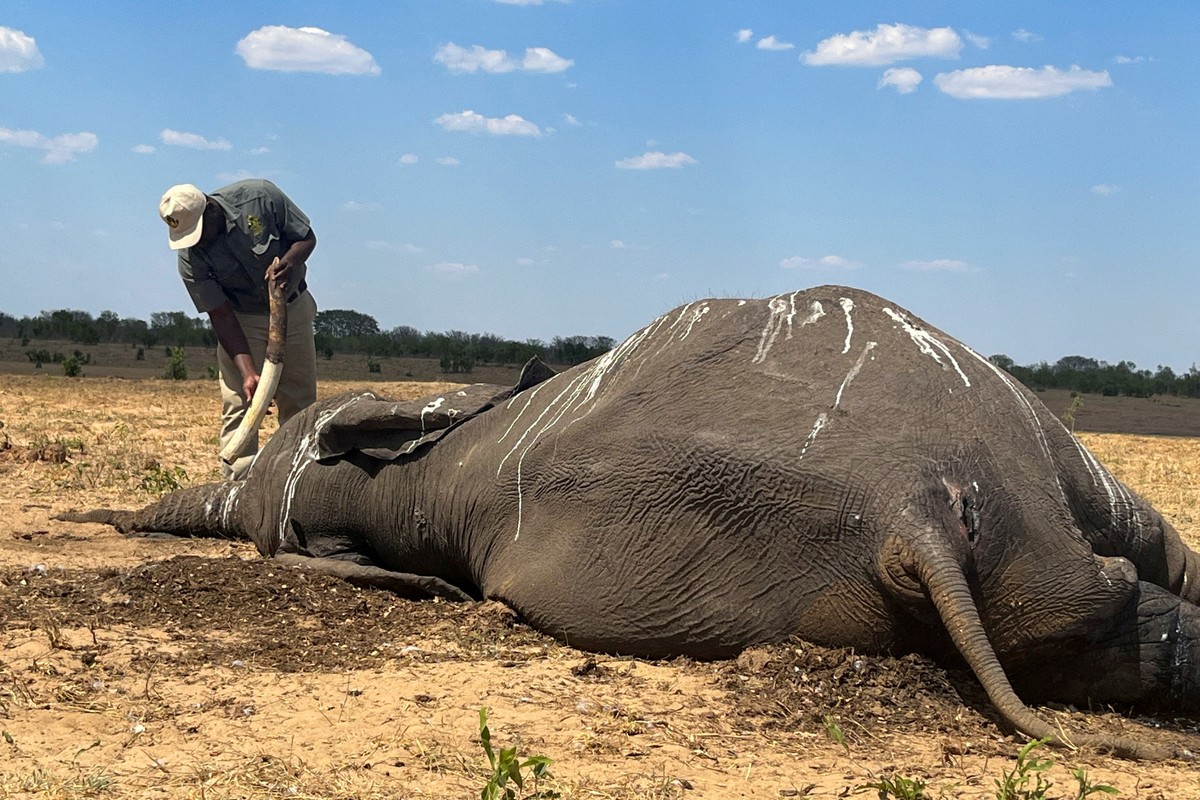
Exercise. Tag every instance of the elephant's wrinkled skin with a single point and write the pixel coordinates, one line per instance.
(820, 464)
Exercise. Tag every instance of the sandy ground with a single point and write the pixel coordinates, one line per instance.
(187, 668)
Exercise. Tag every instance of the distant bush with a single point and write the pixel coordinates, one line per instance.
(176, 368)
(72, 367)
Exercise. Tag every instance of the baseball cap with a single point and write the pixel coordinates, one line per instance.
(182, 208)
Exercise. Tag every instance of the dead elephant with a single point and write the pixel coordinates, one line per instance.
(820, 464)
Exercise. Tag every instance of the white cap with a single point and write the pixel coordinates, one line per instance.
(182, 208)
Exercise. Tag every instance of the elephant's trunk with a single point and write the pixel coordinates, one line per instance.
(202, 511)
(947, 586)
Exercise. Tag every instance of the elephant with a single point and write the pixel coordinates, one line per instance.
(821, 464)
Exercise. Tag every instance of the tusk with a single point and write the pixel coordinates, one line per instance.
(268, 380)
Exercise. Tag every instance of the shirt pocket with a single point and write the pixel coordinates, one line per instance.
(265, 244)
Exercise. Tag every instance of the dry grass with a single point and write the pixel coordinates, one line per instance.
(1164, 470)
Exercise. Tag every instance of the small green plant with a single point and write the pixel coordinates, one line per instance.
(835, 733)
(1025, 781)
(898, 787)
(176, 368)
(506, 767)
(1087, 788)
(159, 480)
(1072, 410)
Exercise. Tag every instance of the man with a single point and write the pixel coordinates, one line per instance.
(227, 242)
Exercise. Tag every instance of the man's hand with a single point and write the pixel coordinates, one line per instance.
(249, 385)
(279, 270)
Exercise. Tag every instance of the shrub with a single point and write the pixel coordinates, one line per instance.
(176, 368)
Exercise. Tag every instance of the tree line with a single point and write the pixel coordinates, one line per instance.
(337, 331)
(1089, 376)
(352, 332)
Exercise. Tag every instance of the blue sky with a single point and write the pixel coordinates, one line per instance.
(1023, 175)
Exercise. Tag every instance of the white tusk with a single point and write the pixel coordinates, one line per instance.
(269, 379)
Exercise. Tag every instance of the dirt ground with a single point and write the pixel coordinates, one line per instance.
(134, 667)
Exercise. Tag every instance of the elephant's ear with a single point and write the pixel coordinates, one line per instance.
(534, 372)
(387, 429)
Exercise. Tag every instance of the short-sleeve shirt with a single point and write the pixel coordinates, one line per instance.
(261, 223)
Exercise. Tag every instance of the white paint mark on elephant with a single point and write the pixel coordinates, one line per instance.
(1035, 422)
(853, 373)
(582, 390)
(429, 409)
(306, 454)
(822, 418)
(1119, 499)
(928, 344)
(782, 313)
(230, 504)
(697, 315)
(847, 306)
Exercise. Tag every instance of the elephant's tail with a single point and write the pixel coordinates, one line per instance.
(201, 511)
(943, 578)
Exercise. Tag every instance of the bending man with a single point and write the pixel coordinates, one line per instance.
(227, 241)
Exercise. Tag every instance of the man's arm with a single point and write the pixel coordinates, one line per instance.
(295, 255)
(231, 336)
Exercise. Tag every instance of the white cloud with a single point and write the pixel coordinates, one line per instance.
(886, 44)
(1131, 60)
(476, 59)
(284, 49)
(617, 244)
(470, 122)
(453, 269)
(448, 161)
(193, 140)
(825, 262)
(542, 59)
(771, 43)
(1022, 35)
(905, 79)
(58, 149)
(744, 35)
(938, 265)
(354, 205)
(982, 42)
(571, 120)
(1105, 189)
(259, 151)
(409, 158)
(479, 59)
(656, 160)
(1018, 83)
(144, 149)
(18, 51)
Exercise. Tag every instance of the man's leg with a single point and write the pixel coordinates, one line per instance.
(298, 384)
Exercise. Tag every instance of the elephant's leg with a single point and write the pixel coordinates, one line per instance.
(1117, 522)
(404, 584)
(1148, 656)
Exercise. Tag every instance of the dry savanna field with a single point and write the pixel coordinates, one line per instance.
(139, 667)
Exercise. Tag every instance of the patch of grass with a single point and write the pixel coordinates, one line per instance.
(508, 768)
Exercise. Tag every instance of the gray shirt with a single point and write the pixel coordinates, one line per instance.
(261, 223)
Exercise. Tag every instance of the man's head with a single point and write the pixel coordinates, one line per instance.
(193, 217)
(182, 208)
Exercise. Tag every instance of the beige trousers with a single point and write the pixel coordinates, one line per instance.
(297, 385)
